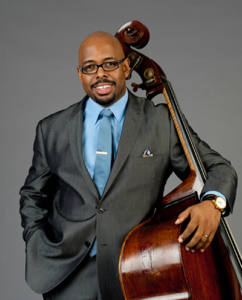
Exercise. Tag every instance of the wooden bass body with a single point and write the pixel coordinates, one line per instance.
(153, 265)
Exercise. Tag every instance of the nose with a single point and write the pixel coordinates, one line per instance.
(100, 73)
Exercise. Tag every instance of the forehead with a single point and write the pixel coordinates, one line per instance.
(97, 52)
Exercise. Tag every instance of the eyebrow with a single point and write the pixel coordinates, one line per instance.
(91, 61)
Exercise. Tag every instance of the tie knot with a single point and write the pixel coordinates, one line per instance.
(106, 113)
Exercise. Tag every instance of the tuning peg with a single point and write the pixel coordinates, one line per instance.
(138, 86)
(135, 86)
(143, 85)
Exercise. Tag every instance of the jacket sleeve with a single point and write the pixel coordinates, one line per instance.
(38, 190)
(221, 176)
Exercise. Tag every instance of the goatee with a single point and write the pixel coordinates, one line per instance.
(106, 101)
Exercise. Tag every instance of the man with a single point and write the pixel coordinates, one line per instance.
(76, 215)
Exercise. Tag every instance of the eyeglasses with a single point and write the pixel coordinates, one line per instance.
(107, 66)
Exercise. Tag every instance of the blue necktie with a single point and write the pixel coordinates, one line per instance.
(103, 158)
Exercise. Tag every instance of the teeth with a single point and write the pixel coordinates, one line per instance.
(103, 87)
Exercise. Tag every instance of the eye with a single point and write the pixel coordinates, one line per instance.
(110, 65)
(89, 68)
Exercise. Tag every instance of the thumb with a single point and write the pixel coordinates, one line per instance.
(183, 216)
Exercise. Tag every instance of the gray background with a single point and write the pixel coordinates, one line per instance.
(197, 43)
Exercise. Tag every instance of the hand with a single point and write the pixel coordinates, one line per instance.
(205, 219)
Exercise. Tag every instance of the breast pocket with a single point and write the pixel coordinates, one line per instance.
(150, 165)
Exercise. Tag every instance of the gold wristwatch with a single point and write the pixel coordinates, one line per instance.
(219, 202)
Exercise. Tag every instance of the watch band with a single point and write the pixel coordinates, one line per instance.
(209, 197)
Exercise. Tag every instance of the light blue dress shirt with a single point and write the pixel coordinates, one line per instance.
(90, 130)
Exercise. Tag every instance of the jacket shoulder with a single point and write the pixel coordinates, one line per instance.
(148, 107)
(64, 113)
(59, 119)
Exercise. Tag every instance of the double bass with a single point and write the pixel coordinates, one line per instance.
(152, 264)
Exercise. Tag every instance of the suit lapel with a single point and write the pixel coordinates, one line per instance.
(75, 138)
(130, 130)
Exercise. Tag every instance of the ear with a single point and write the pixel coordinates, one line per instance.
(79, 73)
(126, 67)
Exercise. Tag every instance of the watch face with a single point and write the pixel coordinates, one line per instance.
(221, 202)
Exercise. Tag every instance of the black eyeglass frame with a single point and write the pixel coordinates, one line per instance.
(101, 65)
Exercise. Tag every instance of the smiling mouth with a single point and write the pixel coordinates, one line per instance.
(103, 88)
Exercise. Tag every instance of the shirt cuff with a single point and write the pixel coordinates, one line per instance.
(216, 194)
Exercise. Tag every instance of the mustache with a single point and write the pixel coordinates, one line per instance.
(103, 81)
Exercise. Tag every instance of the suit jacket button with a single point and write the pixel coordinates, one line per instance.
(100, 210)
(87, 243)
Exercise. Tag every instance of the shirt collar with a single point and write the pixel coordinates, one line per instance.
(118, 108)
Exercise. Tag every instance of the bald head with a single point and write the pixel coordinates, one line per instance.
(105, 87)
(99, 39)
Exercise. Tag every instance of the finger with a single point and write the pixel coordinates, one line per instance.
(191, 227)
(209, 241)
(200, 244)
(197, 239)
(180, 220)
(183, 216)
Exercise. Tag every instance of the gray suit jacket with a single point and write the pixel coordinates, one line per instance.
(60, 205)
